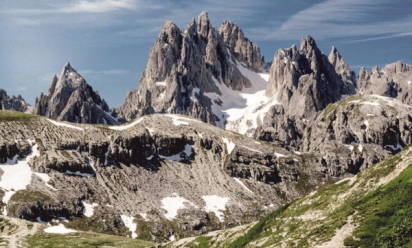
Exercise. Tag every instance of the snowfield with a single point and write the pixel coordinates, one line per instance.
(59, 229)
(216, 204)
(230, 146)
(16, 175)
(89, 208)
(242, 111)
(64, 124)
(125, 127)
(129, 223)
(172, 204)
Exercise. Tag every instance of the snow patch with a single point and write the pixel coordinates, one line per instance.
(172, 204)
(59, 229)
(230, 146)
(45, 178)
(242, 111)
(129, 223)
(279, 155)
(64, 124)
(161, 83)
(216, 204)
(366, 123)
(125, 127)
(188, 150)
(78, 173)
(17, 175)
(89, 208)
(243, 185)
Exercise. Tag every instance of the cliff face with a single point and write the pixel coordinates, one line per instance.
(71, 99)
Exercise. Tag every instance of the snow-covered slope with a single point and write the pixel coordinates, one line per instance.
(242, 111)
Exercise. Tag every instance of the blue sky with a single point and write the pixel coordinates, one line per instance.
(108, 41)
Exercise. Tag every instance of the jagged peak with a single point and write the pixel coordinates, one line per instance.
(67, 65)
(203, 16)
(308, 43)
(397, 67)
(168, 27)
(203, 25)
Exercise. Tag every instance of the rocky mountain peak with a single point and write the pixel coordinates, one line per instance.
(398, 67)
(304, 79)
(15, 103)
(240, 46)
(393, 80)
(71, 99)
(183, 67)
(341, 67)
(203, 26)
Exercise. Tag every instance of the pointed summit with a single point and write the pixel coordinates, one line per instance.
(15, 103)
(71, 99)
(203, 25)
(244, 50)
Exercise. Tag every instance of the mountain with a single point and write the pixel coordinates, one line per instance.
(371, 209)
(394, 80)
(199, 72)
(71, 99)
(16, 103)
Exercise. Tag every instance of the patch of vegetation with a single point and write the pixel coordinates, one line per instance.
(331, 107)
(386, 215)
(143, 231)
(99, 224)
(256, 230)
(6, 115)
(200, 242)
(29, 196)
(25, 196)
(383, 215)
(83, 240)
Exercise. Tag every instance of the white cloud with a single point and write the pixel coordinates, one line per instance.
(100, 6)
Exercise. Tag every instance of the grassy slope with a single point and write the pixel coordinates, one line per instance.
(382, 216)
(6, 115)
(375, 207)
(83, 240)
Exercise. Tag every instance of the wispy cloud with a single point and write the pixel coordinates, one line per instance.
(99, 6)
(383, 37)
(339, 19)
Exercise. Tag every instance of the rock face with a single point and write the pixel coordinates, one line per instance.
(394, 80)
(243, 49)
(71, 99)
(306, 81)
(16, 103)
(184, 67)
(171, 174)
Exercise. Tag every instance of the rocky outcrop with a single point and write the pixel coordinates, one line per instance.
(304, 80)
(394, 80)
(243, 49)
(16, 103)
(71, 99)
(185, 66)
